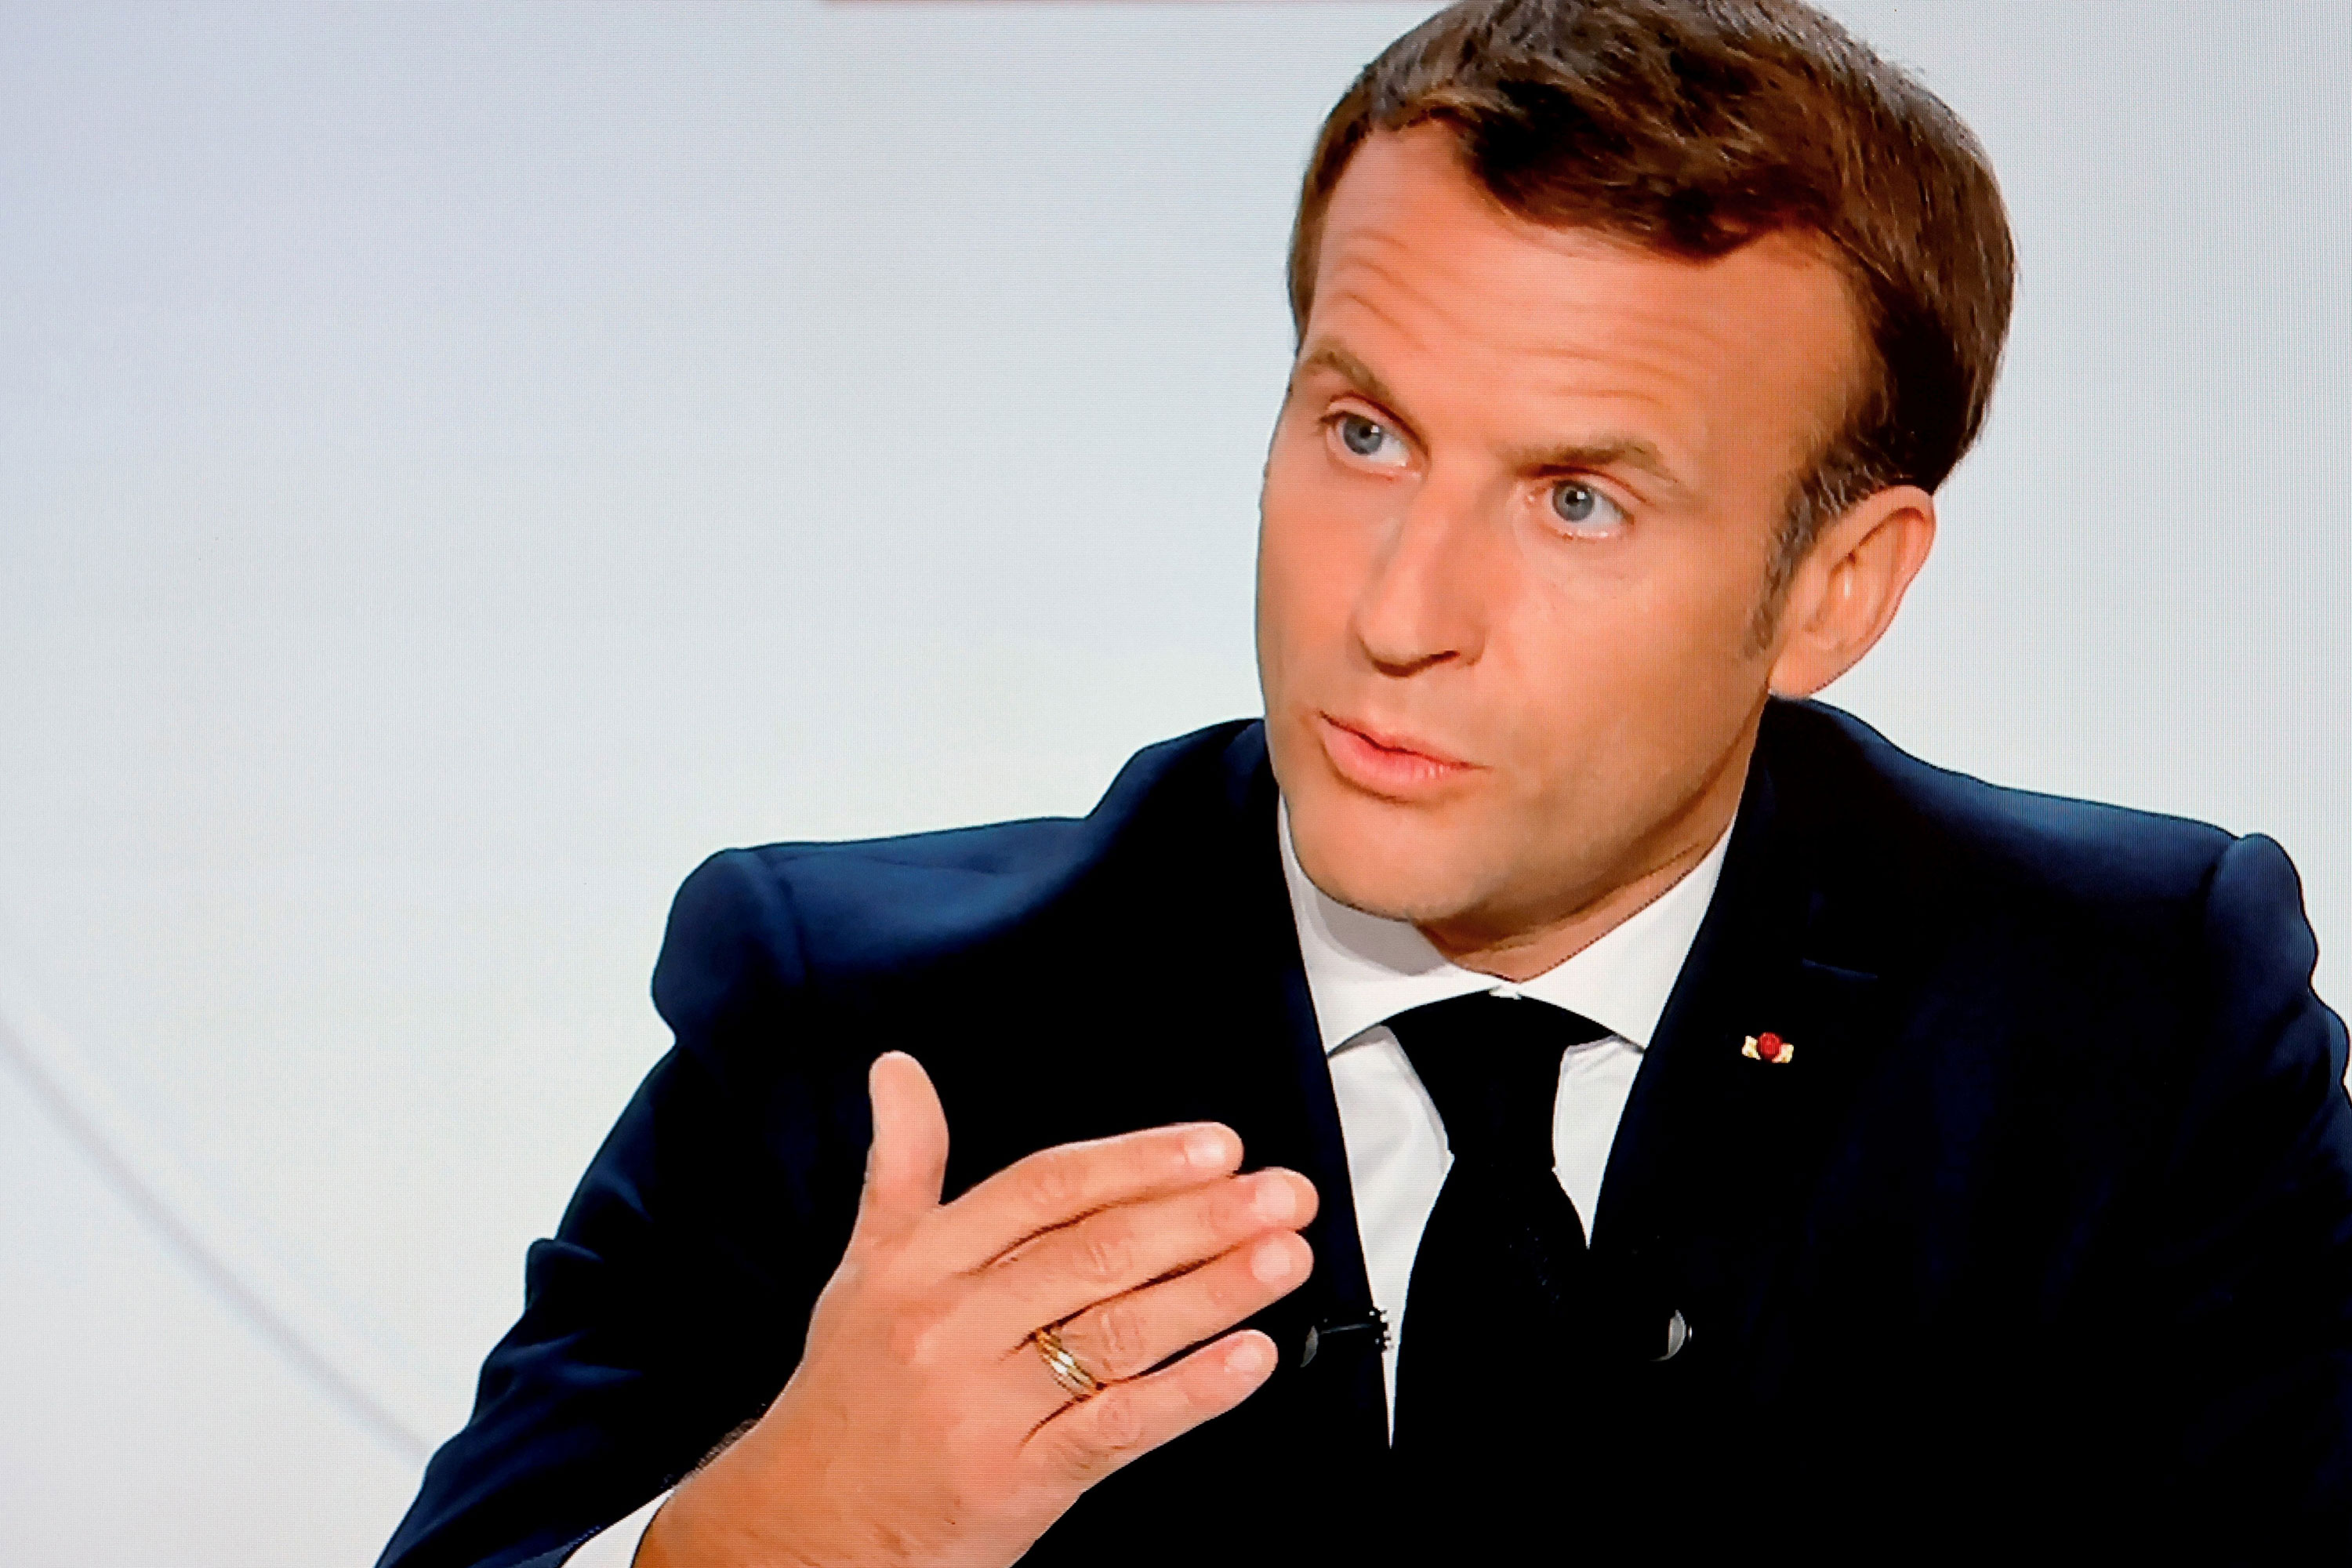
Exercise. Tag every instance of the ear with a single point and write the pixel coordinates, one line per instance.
(1845, 593)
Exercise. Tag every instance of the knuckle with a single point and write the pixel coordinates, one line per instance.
(917, 1335)
(874, 1270)
(1228, 1292)
(1103, 1253)
(1119, 1339)
(1117, 1430)
(1053, 1184)
(1077, 1458)
(1225, 1209)
(852, 1276)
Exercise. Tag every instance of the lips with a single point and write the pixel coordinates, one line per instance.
(1385, 761)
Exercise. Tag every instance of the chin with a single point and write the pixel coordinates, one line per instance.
(1381, 858)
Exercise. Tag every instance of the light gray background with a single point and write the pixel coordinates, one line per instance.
(460, 465)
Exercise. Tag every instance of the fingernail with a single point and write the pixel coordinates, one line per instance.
(1271, 1261)
(1248, 1358)
(1209, 1149)
(1272, 1198)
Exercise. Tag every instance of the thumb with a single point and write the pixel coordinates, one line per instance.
(907, 1164)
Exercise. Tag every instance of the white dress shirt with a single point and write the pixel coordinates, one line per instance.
(615, 1546)
(1362, 970)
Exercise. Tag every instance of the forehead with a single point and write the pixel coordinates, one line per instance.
(1425, 276)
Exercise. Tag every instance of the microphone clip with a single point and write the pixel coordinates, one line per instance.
(1374, 1323)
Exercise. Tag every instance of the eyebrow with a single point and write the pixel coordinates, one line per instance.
(1604, 451)
(1599, 452)
(1349, 369)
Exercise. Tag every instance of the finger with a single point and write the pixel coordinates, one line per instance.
(1054, 1186)
(1090, 1438)
(907, 1161)
(1128, 1245)
(1128, 1335)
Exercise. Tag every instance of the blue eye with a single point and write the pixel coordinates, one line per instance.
(1584, 508)
(1370, 439)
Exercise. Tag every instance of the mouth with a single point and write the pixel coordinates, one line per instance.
(1387, 763)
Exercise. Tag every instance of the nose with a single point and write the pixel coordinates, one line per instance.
(1427, 599)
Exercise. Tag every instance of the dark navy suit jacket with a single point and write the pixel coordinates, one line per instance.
(2042, 1240)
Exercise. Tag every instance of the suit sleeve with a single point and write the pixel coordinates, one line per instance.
(2249, 1379)
(671, 1303)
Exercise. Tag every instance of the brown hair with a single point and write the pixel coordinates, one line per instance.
(1694, 126)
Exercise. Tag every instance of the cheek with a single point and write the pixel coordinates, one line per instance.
(1636, 671)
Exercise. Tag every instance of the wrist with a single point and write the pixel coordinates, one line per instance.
(712, 1522)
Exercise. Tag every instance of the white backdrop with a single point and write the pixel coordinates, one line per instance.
(459, 466)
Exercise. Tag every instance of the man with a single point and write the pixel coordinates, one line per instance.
(1548, 1090)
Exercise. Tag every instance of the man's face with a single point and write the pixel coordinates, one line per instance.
(1516, 519)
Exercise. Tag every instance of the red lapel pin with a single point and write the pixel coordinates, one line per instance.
(1768, 1047)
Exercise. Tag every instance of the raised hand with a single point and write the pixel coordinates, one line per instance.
(922, 1426)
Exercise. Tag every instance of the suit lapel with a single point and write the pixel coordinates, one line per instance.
(1230, 1035)
(1717, 1150)
(1188, 998)
(1266, 1054)
(1182, 996)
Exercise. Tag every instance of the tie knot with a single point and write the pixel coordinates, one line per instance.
(1491, 1064)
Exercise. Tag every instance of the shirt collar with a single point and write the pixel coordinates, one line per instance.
(1362, 970)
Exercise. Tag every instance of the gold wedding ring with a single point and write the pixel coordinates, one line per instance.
(1067, 1369)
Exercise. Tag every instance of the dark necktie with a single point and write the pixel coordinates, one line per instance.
(1486, 1348)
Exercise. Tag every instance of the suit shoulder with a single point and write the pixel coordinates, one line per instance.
(750, 923)
(2001, 840)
